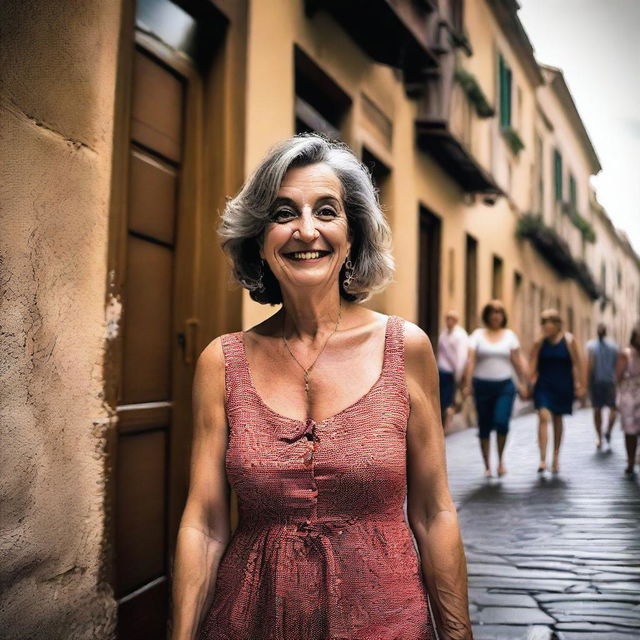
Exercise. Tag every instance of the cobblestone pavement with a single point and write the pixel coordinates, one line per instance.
(555, 557)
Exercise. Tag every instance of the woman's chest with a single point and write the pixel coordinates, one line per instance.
(297, 387)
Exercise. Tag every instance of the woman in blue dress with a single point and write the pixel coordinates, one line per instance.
(556, 376)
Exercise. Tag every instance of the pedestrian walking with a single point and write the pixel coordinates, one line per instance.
(494, 353)
(628, 377)
(556, 375)
(602, 355)
(452, 359)
(317, 417)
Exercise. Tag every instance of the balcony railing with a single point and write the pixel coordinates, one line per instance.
(554, 249)
(392, 32)
(448, 128)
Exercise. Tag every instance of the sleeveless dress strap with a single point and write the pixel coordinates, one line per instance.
(236, 373)
(394, 350)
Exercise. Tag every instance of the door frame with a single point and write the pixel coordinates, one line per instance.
(429, 274)
(213, 167)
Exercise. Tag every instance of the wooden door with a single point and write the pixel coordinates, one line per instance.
(158, 342)
(471, 284)
(429, 273)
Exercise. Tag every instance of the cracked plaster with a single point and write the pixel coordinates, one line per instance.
(58, 64)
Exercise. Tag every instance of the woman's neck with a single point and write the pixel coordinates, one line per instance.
(306, 317)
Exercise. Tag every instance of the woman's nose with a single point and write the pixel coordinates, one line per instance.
(307, 227)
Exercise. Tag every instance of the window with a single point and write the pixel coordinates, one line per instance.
(504, 87)
(518, 302)
(470, 283)
(429, 272)
(573, 196)
(321, 105)
(496, 279)
(557, 174)
(603, 278)
(540, 170)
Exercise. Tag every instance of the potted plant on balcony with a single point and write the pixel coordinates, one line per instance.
(513, 140)
(474, 93)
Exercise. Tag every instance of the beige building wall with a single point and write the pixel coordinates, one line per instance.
(617, 271)
(416, 179)
(56, 117)
(275, 28)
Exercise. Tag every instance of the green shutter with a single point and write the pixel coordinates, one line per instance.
(508, 98)
(573, 196)
(557, 172)
(504, 82)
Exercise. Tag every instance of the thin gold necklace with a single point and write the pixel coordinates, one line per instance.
(307, 372)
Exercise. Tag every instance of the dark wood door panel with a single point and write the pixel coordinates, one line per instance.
(147, 337)
(141, 509)
(152, 197)
(157, 107)
(144, 615)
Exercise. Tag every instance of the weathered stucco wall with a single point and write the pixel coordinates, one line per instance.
(58, 67)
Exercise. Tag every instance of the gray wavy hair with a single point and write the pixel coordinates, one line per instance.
(247, 214)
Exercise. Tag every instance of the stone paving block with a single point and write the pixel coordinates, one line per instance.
(619, 622)
(622, 609)
(509, 615)
(508, 571)
(517, 584)
(546, 598)
(605, 635)
(485, 598)
(616, 587)
(586, 627)
(499, 632)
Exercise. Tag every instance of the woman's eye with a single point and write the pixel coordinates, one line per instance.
(283, 214)
(327, 211)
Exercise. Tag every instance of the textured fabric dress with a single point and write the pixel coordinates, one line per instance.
(323, 550)
(554, 387)
(629, 394)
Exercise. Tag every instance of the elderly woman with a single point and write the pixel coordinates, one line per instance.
(494, 353)
(319, 417)
(556, 375)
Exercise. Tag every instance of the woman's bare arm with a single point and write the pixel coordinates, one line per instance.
(621, 365)
(533, 361)
(521, 366)
(205, 525)
(468, 371)
(431, 512)
(578, 370)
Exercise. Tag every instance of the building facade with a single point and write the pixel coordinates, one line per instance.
(122, 140)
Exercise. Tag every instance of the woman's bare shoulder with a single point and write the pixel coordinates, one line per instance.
(210, 363)
(418, 349)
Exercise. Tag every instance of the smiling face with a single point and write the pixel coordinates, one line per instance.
(550, 327)
(496, 319)
(307, 240)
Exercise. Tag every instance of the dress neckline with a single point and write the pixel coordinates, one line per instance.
(352, 406)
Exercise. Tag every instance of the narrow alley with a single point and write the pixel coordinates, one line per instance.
(555, 557)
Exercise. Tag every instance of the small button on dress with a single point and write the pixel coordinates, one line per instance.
(323, 549)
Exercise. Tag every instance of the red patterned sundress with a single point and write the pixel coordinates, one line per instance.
(323, 549)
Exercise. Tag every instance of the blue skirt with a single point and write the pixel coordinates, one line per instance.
(557, 399)
(494, 404)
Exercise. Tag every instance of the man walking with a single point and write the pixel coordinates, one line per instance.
(452, 359)
(602, 355)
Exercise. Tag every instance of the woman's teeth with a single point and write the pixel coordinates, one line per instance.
(305, 255)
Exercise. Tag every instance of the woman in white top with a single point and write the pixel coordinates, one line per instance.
(494, 353)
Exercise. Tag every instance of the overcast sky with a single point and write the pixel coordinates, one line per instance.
(597, 45)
